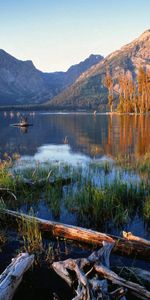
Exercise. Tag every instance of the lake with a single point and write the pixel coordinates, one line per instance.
(88, 143)
(86, 136)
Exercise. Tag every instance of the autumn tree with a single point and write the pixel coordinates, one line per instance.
(108, 82)
(134, 95)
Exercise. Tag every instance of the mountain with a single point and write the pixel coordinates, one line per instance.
(88, 91)
(22, 83)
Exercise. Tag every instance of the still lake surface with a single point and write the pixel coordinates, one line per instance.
(87, 136)
(75, 139)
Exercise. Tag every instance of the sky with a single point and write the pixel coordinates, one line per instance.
(56, 34)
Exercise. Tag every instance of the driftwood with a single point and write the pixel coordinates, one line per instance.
(121, 245)
(88, 287)
(92, 274)
(138, 290)
(135, 274)
(130, 237)
(12, 275)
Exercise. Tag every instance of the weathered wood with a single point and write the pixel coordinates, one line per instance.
(137, 289)
(130, 237)
(119, 294)
(99, 261)
(88, 288)
(121, 245)
(12, 275)
(135, 274)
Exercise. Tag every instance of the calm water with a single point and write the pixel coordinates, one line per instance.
(76, 139)
(87, 136)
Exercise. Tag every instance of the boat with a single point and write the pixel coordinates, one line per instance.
(23, 123)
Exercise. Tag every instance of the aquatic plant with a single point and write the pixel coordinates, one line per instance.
(31, 235)
(111, 203)
(2, 239)
(136, 164)
(146, 208)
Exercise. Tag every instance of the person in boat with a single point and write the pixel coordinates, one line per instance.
(23, 121)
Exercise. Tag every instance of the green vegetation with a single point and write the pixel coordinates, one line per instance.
(139, 165)
(97, 194)
(2, 239)
(31, 234)
(111, 203)
(146, 208)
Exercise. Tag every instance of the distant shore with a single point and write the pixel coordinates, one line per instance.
(46, 109)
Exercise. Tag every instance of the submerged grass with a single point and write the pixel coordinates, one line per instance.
(146, 208)
(96, 193)
(138, 164)
(111, 203)
(2, 239)
(34, 242)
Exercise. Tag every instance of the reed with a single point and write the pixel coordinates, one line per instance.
(111, 203)
(146, 208)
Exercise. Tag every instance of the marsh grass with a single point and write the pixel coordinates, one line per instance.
(34, 242)
(111, 203)
(137, 164)
(105, 165)
(31, 234)
(146, 208)
(6, 178)
(144, 164)
(94, 193)
(2, 239)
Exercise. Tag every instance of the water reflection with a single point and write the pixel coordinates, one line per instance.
(92, 136)
(53, 154)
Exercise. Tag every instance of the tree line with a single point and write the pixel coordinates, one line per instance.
(134, 95)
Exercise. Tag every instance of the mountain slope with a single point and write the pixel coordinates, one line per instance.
(88, 92)
(58, 81)
(22, 83)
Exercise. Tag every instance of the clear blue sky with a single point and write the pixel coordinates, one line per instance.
(55, 34)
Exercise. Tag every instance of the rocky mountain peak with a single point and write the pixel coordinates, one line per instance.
(145, 35)
(89, 91)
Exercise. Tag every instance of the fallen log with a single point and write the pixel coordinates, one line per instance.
(121, 245)
(130, 237)
(12, 275)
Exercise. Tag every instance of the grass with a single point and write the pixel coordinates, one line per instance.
(31, 234)
(34, 242)
(2, 239)
(138, 164)
(146, 208)
(6, 177)
(94, 193)
(111, 203)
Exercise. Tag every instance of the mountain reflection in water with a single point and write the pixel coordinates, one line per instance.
(87, 135)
